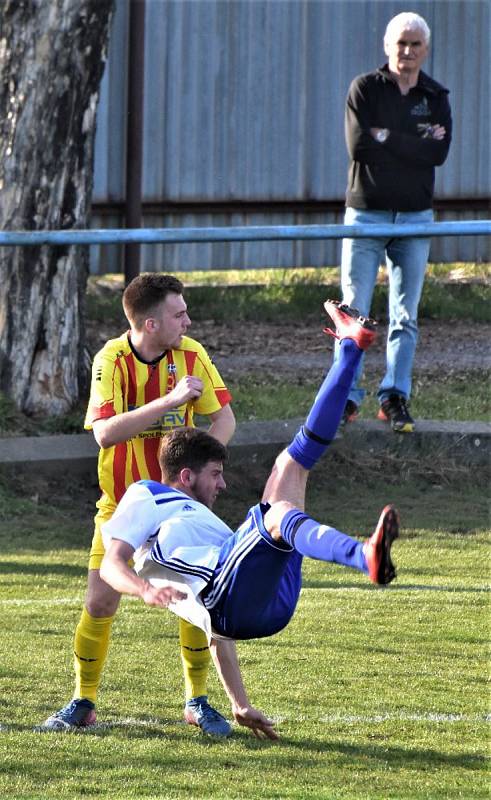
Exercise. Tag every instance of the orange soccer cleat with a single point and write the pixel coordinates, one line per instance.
(350, 324)
(377, 548)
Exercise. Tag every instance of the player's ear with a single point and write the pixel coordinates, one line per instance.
(150, 325)
(186, 477)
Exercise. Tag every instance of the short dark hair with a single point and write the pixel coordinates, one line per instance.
(191, 448)
(145, 292)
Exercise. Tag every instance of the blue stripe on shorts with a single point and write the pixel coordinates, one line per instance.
(255, 584)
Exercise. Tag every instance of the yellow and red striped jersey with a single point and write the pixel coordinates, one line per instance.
(121, 382)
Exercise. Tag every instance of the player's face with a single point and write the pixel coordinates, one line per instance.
(170, 321)
(207, 484)
(406, 50)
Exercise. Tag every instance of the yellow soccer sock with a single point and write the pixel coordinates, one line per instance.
(90, 651)
(195, 656)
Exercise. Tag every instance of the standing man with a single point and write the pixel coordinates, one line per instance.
(398, 128)
(145, 383)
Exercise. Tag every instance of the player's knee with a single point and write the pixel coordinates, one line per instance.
(102, 606)
(101, 599)
(274, 516)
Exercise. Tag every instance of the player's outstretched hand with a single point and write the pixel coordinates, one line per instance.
(161, 596)
(261, 726)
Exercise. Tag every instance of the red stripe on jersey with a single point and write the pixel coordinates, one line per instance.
(171, 373)
(223, 396)
(221, 392)
(101, 412)
(190, 358)
(131, 393)
(119, 470)
(118, 366)
(152, 386)
(135, 472)
(151, 449)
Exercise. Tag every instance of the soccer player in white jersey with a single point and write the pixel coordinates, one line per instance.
(245, 584)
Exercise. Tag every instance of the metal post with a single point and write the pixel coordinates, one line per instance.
(134, 146)
(248, 233)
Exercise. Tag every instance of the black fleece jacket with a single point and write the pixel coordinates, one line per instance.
(399, 174)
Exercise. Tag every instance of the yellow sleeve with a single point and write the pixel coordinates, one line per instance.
(106, 391)
(215, 394)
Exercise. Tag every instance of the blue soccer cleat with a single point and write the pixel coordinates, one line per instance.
(199, 712)
(76, 714)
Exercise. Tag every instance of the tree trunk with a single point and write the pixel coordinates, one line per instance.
(52, 55)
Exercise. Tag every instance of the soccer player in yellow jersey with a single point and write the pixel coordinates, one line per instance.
(145, 383)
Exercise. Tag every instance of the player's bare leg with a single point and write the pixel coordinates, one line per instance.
(288, 479)
(285, 488)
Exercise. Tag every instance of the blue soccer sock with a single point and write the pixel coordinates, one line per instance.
(324, 417)
(314, 540)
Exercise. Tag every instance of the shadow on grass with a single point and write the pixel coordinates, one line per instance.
(372, 755)
(68, 570)
(401, 587)
(395, 757)
(130, 729)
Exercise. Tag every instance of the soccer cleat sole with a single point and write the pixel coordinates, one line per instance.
(58, 725)
(405, 427)
(189, 718)
(381, 569)
(350, 324)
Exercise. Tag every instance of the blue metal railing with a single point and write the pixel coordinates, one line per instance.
(246, 233)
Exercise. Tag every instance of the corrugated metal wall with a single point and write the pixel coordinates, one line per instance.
(244, 103)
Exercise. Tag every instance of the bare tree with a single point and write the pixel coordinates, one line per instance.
(52, 55)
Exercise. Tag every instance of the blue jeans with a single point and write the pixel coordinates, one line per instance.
(406, 261)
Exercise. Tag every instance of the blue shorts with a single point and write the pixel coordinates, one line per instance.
(256, 583)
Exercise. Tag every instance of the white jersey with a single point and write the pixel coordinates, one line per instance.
(177, 541)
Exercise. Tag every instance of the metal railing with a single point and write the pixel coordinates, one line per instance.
(244, 233)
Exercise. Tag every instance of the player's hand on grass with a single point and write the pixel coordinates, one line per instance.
(162, 596)
(261, 726)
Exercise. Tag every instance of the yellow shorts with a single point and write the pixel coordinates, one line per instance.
(97, 548)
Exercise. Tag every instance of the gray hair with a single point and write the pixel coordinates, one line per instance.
(407, 19)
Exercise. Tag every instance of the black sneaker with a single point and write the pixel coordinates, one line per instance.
(350, 412)
(395, 411)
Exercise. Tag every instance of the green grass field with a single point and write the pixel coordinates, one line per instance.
(451, 291)
(465, 396)
(378, 693)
